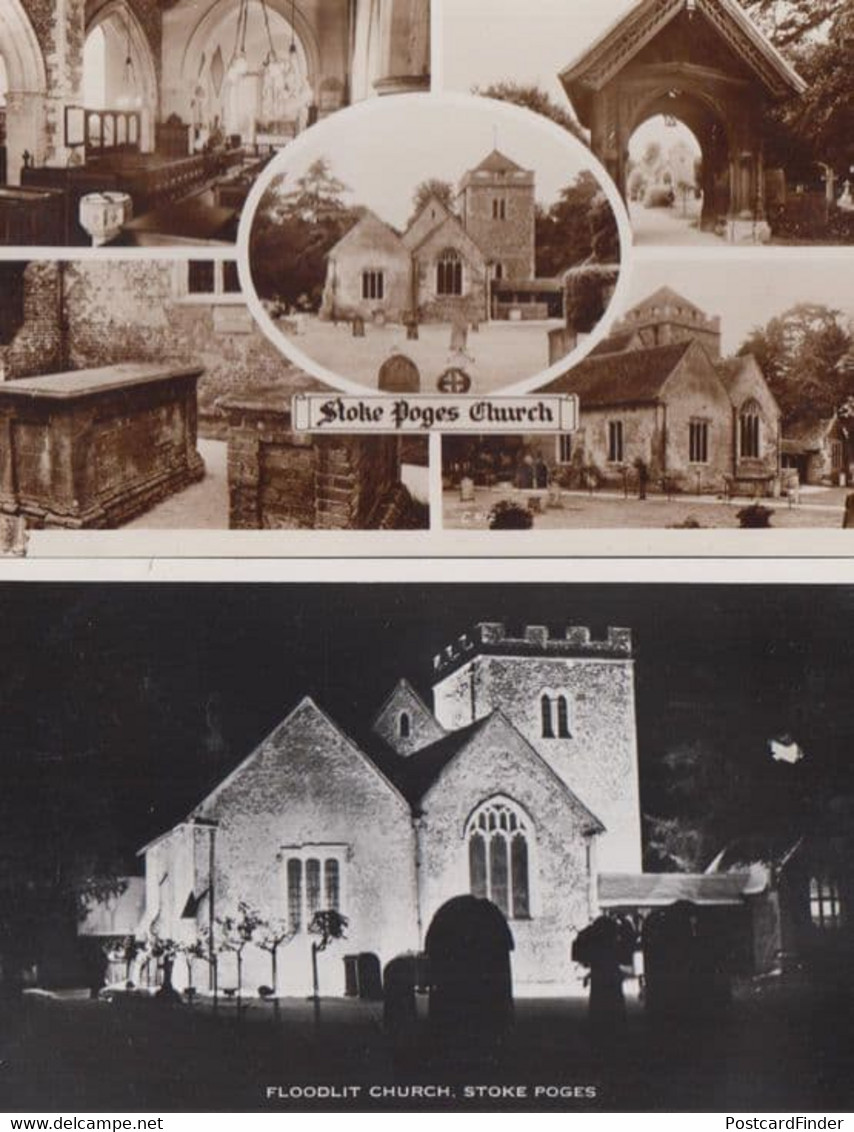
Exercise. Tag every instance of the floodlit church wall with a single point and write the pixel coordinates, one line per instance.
(308, 787)
(497, 764)
(598, 761)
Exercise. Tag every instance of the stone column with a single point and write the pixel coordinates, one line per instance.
(64, 63)
(404, 46)
(25, 131)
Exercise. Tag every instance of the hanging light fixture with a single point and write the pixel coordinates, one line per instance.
(274, 69)
(130, 98)
(292, 50)
(238, 65)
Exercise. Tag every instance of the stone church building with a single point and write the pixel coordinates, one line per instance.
(519, 782)
(174, 105)
(448, 264)
(658, 390)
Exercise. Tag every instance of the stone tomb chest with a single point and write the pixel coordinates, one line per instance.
(96, 447)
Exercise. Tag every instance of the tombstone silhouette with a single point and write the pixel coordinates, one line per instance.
(399, 374)
(370, 976)
(468, 948)
(400, 976)
(358, 327)
(459, 336)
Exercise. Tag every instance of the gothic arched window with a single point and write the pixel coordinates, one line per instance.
(554, 712)
(449, 273)
(749, 422)
(498, 847)
(404, 725)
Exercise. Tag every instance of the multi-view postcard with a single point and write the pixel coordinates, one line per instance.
(401, 298)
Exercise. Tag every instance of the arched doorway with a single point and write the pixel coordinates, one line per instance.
(23, 90)
(693, 139)
(249, 70)
(118, 68)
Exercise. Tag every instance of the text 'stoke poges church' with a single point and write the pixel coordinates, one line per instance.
(520, 785)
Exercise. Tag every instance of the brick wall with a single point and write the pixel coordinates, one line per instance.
(37, 346)
(281, 480)
(134, 311)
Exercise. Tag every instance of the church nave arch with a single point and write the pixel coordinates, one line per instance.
(24, 89)
(121, 84)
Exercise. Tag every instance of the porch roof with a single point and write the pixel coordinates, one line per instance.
(655, 890)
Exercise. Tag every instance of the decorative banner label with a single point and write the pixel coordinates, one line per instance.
(335, 412)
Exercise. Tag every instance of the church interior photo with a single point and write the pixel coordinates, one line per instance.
(146, 122)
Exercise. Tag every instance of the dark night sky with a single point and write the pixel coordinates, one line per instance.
(122, 704)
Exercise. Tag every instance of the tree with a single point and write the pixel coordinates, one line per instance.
(236, 934)
(534, 98)
(328, 925)
(316, 197)
(292, 232)
(195, 949)
(272, 934)
(443, 191)
(164, 951)
(578, 227)
(817, 37)
(803, 354)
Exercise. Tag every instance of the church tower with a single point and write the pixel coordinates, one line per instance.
(572, 697)
(496, 206)
(665, 317)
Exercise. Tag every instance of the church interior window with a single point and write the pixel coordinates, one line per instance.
(373, 284)
(554, 711)
(698, 442)
(748, 431)
(499, 208)
(404, 725)
(825, 904)
(313, 885)
(449, 273)
(498, 858)
(615, 442)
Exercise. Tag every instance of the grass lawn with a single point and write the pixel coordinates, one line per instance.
(787, 1048)
(613, 511)
(499, 354)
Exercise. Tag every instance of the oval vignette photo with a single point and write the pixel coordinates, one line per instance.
(426, 244)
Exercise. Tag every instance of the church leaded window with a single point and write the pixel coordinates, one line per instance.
(449, 273)
(615, 442)
(373, 284)
(749, 446)
(499, 208)
(497, 835)
(313, 880)
(554, 713)
(698, 442)
(825, 903)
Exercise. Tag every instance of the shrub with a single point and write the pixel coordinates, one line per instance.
(508, 516)
(754, 516)
(658, 196)
(687, 524)
(588, 292)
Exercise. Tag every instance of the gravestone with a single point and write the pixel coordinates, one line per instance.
(358, 327)
(459, 336)
(399, 374)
